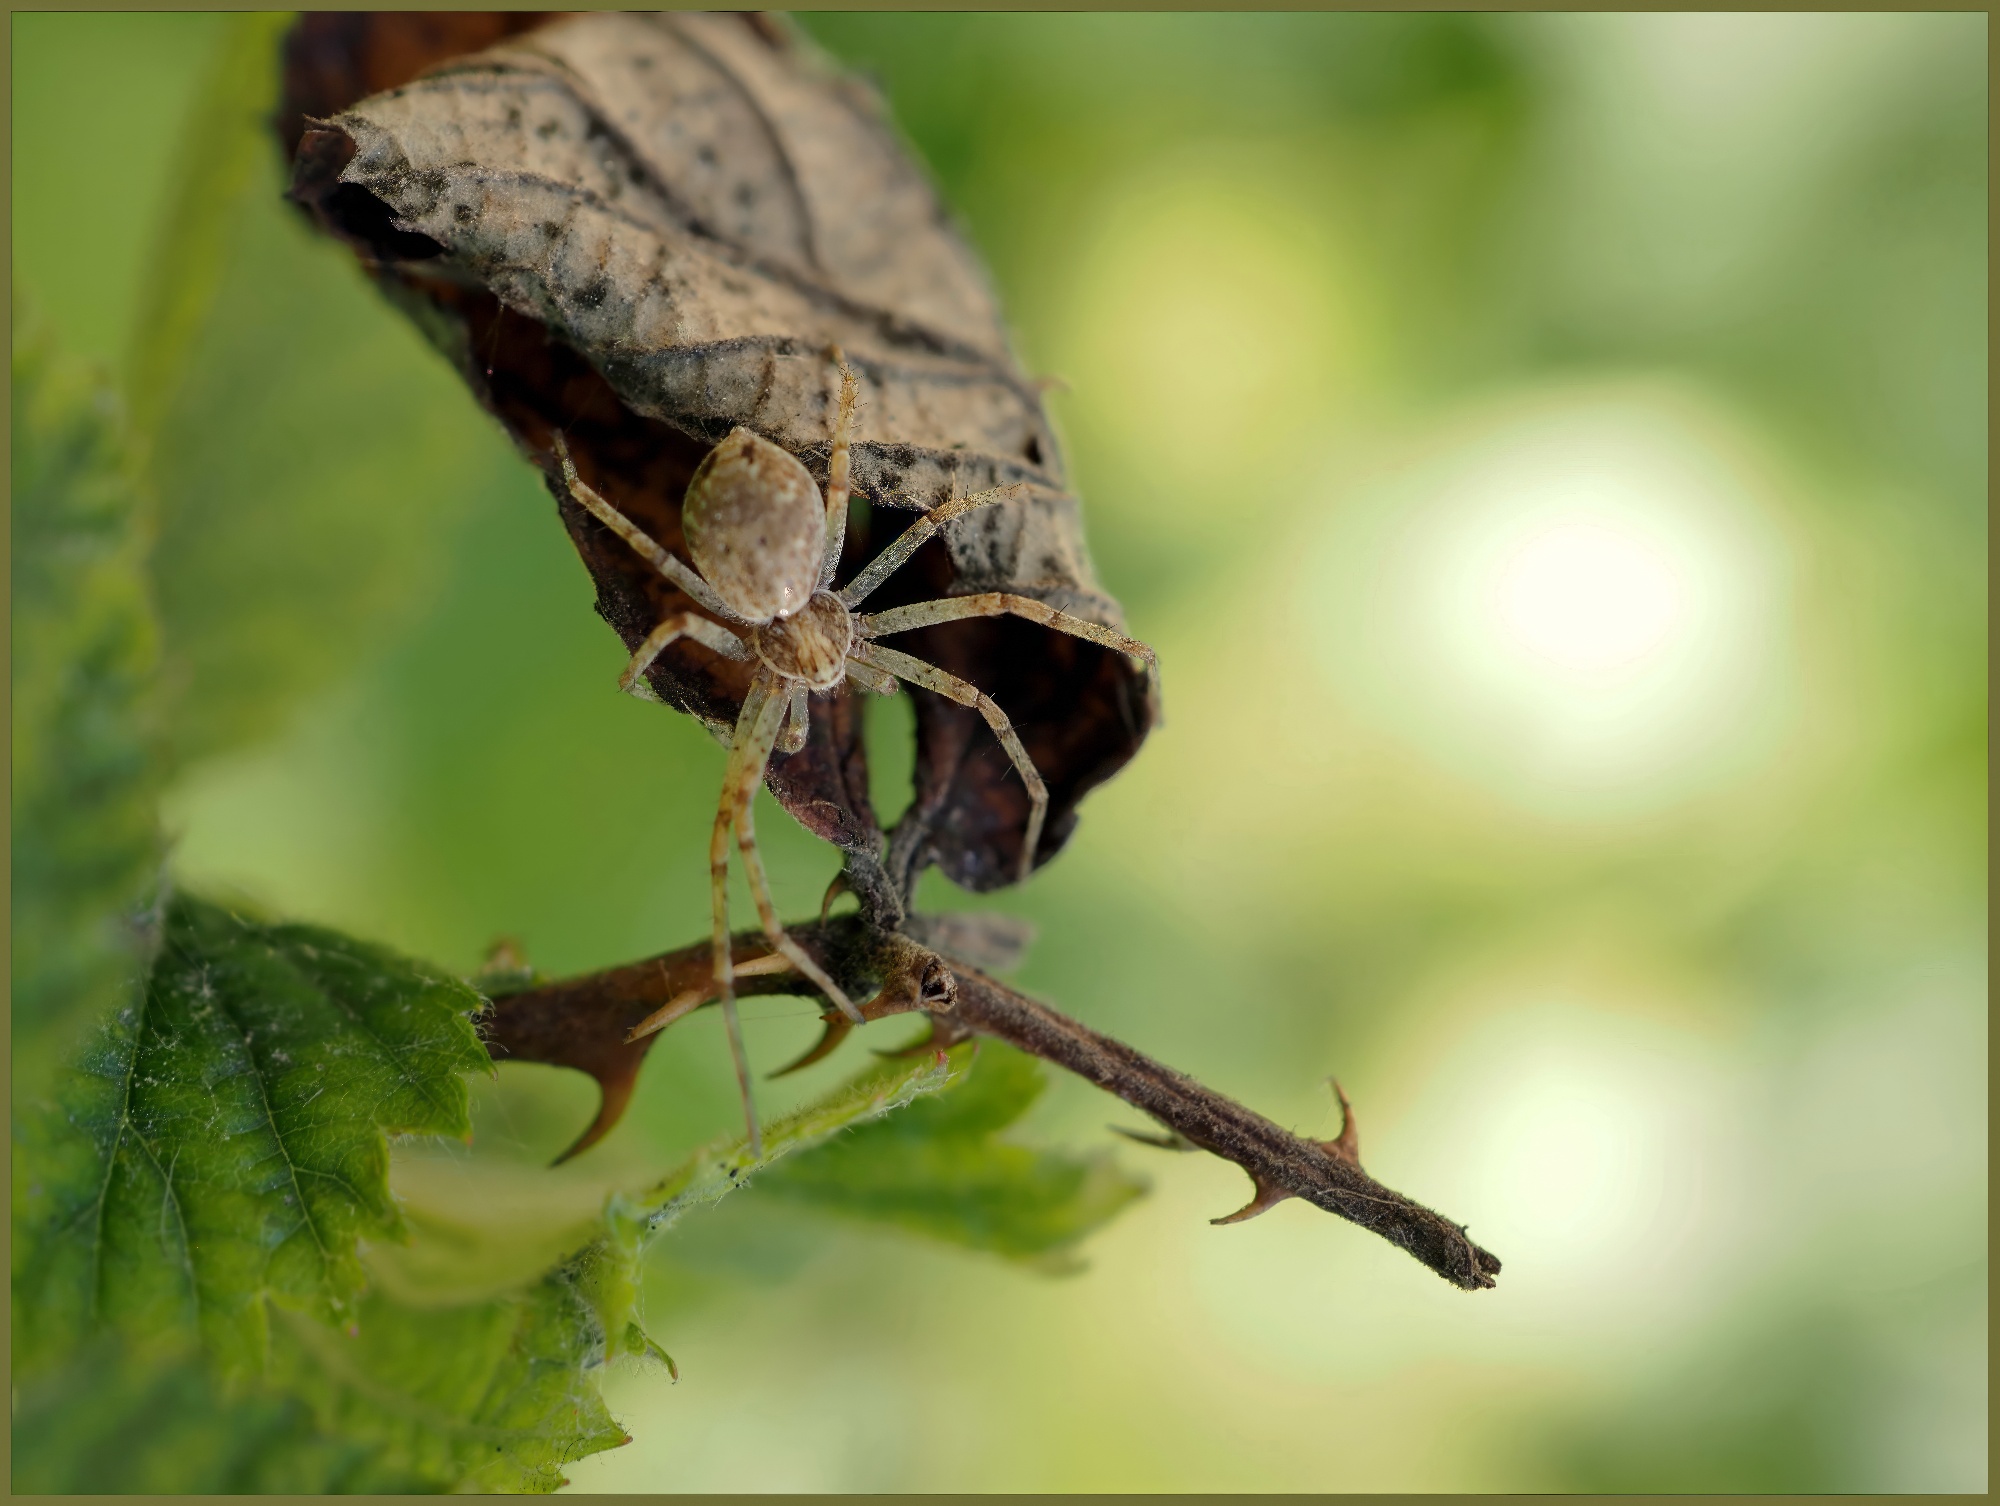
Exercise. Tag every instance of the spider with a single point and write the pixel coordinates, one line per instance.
(765, 547)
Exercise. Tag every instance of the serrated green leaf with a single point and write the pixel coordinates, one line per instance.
(86, 777)
(938, 1170)
(222, 1144)
(490, 1396)
(499, 1392)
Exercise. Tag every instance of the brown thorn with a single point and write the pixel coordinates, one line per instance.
(916, 1047)
(691, 999)
(613, 1095)
(1348, 1145)
(1268, 1197)
(941, 1036)
(505, 955)
(834, 890)
(684, 1002)
(837, 1028)
(1172, 1140)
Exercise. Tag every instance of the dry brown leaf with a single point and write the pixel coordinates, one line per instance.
(644, 230)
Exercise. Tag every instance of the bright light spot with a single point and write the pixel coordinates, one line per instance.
(1597, 1146)
(1595, 1141)
(1577, 1152)
(1578, 605)
(1589, 597)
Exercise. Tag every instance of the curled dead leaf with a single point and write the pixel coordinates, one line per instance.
(642, 231)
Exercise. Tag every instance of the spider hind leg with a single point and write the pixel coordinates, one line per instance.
(907, 667)
(756, 730)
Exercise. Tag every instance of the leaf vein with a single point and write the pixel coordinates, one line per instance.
(390, 1051)
(111, 1156)
(278, 1136)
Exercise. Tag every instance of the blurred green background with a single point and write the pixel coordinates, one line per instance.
(1549, 455)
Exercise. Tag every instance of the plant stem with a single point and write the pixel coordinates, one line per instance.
(1280, 1164)
(582, 1022)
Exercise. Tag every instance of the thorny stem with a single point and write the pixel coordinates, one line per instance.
(1279, 1163)
(581, 1022)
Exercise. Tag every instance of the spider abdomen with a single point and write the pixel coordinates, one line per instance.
(810, 646)
(756, 527)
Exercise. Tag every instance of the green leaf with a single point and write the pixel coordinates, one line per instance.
(938, 1170)
(479, 1230)
(494, 1395)
(216, 1170)
(500, 1392)
(223, 1142)
(114, 1420)
(188, 1218)
(712, 1174)
(223, 145)
(86, 842)
(308, 449)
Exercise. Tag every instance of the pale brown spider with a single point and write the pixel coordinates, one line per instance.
(765, 547)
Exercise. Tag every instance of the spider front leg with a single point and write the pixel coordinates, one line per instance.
(917, 672)
(676, 626)
(912, 538)
(838, 488)
(646, 547)
(1001, 604)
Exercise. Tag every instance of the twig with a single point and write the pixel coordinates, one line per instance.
(583, 1022)
(1280, 1164)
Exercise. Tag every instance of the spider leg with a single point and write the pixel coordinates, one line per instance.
(680, 625)
(874, 680)
(838, 488)
(1001, 604)
(690, 999)
(797, 722)
(904, 667)
(756, 728)
(760, 886)
(910, 539)
(644, 544)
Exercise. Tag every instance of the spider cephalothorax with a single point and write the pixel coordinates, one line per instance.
(765, 546)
